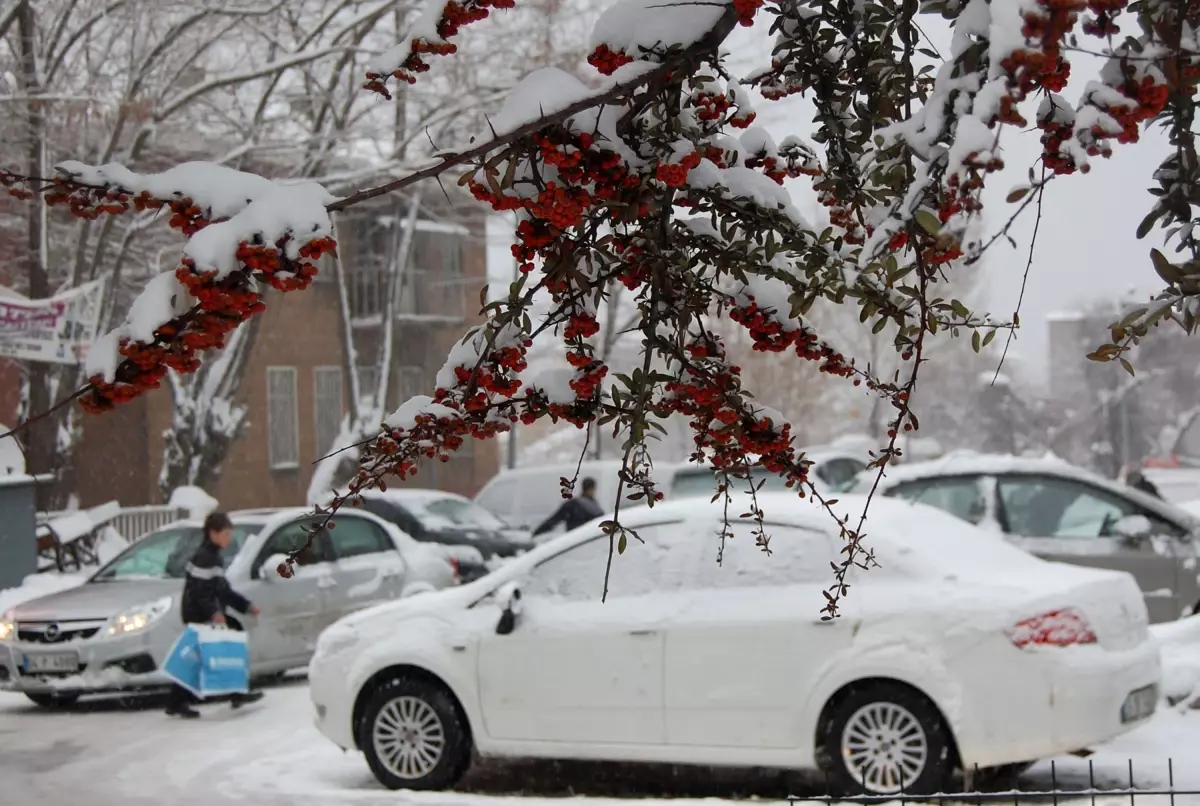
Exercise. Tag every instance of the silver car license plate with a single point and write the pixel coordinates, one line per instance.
(1139, 704)
(42, 662)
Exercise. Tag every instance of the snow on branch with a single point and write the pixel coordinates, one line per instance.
(242, 228)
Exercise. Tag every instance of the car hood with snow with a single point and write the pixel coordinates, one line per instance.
(95, 600)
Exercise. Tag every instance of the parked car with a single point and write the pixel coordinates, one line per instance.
(833, 470)
(958, 650)
(524, 497)
(474, 536)
(115, 630)
(1061, 512)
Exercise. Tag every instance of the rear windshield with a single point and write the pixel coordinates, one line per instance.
(165, 554)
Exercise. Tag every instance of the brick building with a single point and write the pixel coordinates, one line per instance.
(294, 384)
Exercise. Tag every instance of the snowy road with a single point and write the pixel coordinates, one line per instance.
(110, 753)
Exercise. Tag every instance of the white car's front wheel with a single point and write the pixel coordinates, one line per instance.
(884, 739)
(413, 735)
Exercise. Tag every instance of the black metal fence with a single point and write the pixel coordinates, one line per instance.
(1049, 785)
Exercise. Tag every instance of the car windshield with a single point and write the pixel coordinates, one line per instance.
(437, 514)
(165, 554)
(702, 482)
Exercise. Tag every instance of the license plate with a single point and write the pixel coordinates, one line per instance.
(51, 662)
(1139, 704)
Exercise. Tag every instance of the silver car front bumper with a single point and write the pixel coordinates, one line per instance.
(97, 663)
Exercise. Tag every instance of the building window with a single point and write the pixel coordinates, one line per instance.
(283, 434)
(412, 382)
(327, 397)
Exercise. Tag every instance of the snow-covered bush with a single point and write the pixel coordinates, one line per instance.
(657, 178)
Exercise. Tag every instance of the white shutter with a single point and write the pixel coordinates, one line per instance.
(327, 394)
(283, 434)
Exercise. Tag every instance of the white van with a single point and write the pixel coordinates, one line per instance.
(525, 496)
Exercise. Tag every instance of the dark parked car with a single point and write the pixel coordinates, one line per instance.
(433, 516)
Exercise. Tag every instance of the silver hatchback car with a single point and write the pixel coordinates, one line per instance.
(114, 631)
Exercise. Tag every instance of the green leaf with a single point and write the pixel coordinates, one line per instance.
(1126, 365)
(1165, 269)
(975, 341)
(991, 334)
(928, 222)
(621, 543)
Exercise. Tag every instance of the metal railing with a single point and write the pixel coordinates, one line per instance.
(132, 523)
(1047, 784)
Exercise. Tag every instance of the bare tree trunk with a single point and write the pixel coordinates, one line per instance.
(42, 436)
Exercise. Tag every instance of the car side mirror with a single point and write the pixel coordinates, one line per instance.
(269, 570)
(509, 599)
(1133, 529)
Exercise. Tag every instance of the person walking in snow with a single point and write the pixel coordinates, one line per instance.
(575, 512)
(206, 595)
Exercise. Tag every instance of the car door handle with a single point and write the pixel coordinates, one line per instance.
(643, 633)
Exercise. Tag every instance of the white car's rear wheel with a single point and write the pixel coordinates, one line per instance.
(413, 735)
(883, 739)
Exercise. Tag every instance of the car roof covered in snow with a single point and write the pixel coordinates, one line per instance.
(970, 463)
(416, 495)
(915, 537)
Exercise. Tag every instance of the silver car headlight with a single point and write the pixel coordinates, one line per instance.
(138, 617)
(8, 627)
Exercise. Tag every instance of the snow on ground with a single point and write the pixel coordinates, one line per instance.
(115, 753)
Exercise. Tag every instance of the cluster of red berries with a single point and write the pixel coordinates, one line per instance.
(495, 375)
(746, 10)
(607, 60)
(772, 336)
(725, 428)
(791, 161)
(587, 176)
(222, 303)
(674, 175)
(712, 107)
(455, 15)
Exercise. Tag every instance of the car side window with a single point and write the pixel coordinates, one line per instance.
(960, 496)
(839, 474)
(577, 574)
(354, 537)
(797, 556)
(293, 537)
(1043, 506)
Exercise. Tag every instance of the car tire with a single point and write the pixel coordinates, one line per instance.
(404, 714)
(53, 700)
(913, 754)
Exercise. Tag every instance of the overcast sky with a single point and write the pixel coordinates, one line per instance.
(1086, 249)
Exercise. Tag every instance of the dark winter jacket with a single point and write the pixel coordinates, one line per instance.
(206, 591)
(574, 513)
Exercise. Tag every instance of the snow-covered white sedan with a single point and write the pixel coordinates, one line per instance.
(958, 651)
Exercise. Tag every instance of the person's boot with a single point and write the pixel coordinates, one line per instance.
(238, 700)
(183, 711)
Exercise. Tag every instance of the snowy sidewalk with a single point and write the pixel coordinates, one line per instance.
(111, 754)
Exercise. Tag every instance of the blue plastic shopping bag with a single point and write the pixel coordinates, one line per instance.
(209, 661)
(183, 661)
(224, 662)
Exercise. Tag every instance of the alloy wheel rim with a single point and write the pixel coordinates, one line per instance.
(884, 747)
(408, 737)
